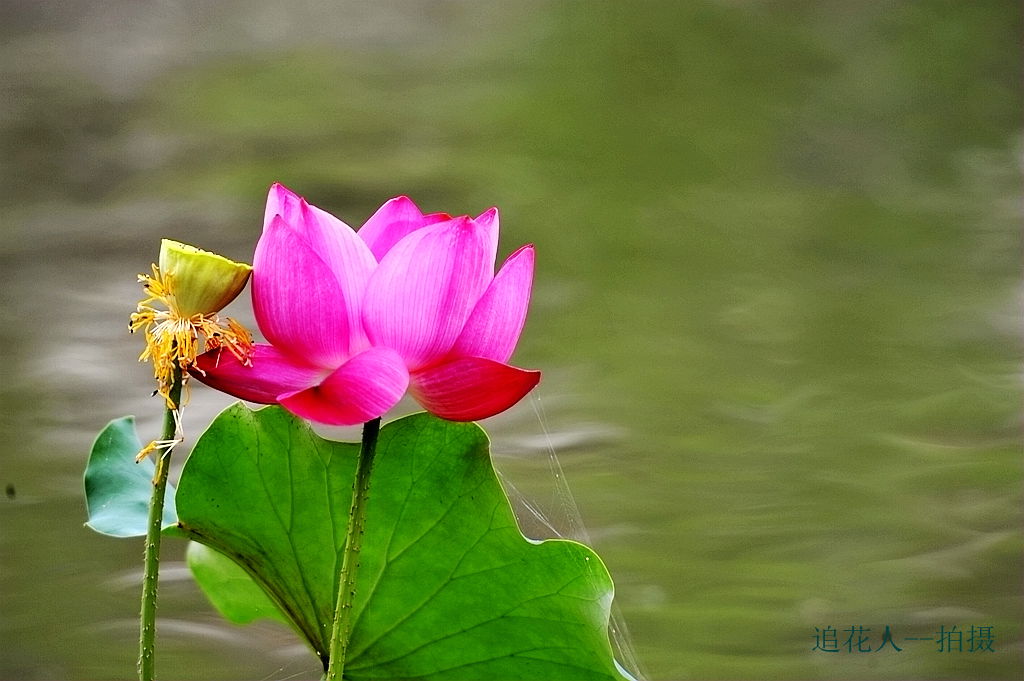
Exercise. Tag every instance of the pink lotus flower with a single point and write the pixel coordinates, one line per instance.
(354, 319)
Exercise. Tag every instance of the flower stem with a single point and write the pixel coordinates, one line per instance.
(151, 573)
(342, 630)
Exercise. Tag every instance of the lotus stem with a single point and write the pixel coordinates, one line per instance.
(151, 571)
(342, 629)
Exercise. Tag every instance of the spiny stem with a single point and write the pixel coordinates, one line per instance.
(342, 630)
(151, 572)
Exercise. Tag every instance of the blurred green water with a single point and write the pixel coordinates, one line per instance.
(776, 300)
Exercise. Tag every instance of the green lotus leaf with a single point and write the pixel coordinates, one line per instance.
(229, 587)
(118, 490)
(447, 586)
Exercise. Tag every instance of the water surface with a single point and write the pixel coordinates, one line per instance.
(776, 300)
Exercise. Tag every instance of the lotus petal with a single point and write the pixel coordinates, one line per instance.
(394, 221)
(298, 302)
(497, 320)
(425, 288)
(471, 388)
(270, 374)
(360, 390)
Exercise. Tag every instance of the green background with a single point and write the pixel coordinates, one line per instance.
(777, 298)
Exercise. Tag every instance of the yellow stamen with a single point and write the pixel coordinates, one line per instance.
(173, 340)
(157, 445)
(166, 445)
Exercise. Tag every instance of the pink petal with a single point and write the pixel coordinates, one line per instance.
(471, 388)
(497, 320)
(270, 374)
(335, 243)
(393, 221)
(299, 304)
(488, 223)
(284, 202)
(350, 260)
(425, 288)
(363, 388)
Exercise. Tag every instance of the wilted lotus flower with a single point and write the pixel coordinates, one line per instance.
(193, 285)
(354, 319)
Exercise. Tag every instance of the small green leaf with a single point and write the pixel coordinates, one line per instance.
(117, 490)
(229, 587)
(447, 586)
